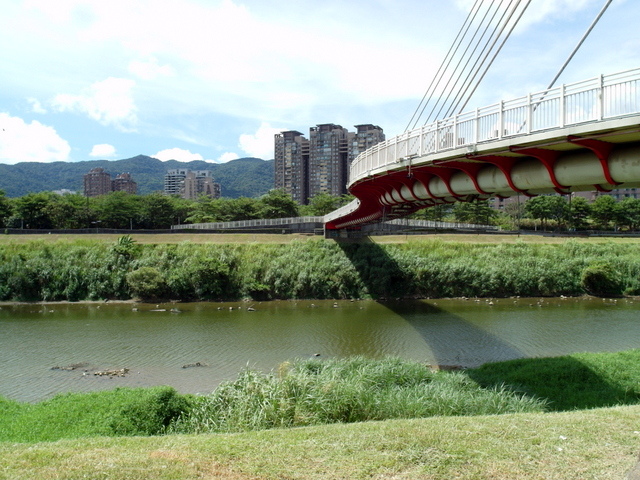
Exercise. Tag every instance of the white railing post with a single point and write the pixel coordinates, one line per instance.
(501, 119)
(529, 118)
(600, 107)
(454, 141)
(476, 126)
(562, 104)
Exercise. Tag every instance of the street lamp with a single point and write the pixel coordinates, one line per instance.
(96, 224)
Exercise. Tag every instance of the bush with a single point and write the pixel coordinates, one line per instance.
(601, 280)
(151, 413)
(147, 283)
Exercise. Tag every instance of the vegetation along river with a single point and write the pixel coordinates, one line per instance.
(54, 348)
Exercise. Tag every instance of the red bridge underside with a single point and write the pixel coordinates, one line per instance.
(371, 190)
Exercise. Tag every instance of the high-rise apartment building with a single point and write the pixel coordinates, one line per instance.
(366, 136)
(191, 184)
(329, 159)
(304, 168)
(124, 183)
(97, 182)
(292, 164)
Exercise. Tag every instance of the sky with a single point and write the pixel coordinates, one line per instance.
(214, 80)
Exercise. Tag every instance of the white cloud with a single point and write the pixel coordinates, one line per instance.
(178, 154)
(36, 106)
(109, 102)
(30, 142)
(259, 144)
(150, 69)
(103, 150)
(227, 157)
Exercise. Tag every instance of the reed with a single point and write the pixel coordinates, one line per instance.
(313, 269)
(313, 392)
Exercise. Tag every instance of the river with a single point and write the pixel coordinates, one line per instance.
(214, 341)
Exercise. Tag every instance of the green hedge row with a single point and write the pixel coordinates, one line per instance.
(313, 269)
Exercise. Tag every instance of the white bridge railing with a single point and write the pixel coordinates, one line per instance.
(601, 98)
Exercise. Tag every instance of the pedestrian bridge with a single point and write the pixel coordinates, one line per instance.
(582, 136)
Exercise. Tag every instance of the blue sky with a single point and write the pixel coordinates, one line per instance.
(215, 79)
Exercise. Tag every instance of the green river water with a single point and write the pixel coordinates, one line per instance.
(155, 343)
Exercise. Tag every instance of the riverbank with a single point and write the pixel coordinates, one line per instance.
(600, 442)
(594, 444)
(86, 269)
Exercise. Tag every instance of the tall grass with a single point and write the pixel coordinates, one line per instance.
(313, 269)
(350, 390)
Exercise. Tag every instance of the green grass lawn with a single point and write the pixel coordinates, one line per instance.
(580, 445)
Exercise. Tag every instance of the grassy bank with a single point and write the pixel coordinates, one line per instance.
(464, 439)
(89, 270)
(596, 444)
(313, 392)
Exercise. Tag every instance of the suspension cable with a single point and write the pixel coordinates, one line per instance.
(447, 60)
(584, 37)
(513, 26)
(575, 50)
(470, 57)
(460, 60)
(482, 58)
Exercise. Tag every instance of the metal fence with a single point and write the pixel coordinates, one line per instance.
(600, 98)
(250, 224)
(320, 221)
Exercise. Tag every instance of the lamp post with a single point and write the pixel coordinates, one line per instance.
(96, 224)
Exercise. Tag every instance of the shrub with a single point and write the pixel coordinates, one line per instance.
(601, 280)
(151, 413)
(147, 283)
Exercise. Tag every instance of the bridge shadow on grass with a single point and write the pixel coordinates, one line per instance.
(566, 383)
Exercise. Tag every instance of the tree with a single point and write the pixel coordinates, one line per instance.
(235, 209)
(278, 204)
(156, 211)
(32, 210)
(579, 212)
(604, 210)
(6, 209)
(436, 213)
(547, 207)
(628, 213)
(515, 211)
(116, 210)
(321, 204)
(69, 211)
(477, 211)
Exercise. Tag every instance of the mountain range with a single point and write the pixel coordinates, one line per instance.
(244, 177)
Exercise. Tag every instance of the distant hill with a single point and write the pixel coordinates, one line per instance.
(244, 177)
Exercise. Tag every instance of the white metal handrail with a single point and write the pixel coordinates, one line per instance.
(601, 98)
(266, 222)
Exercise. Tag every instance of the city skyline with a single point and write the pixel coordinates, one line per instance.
(216, 80)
